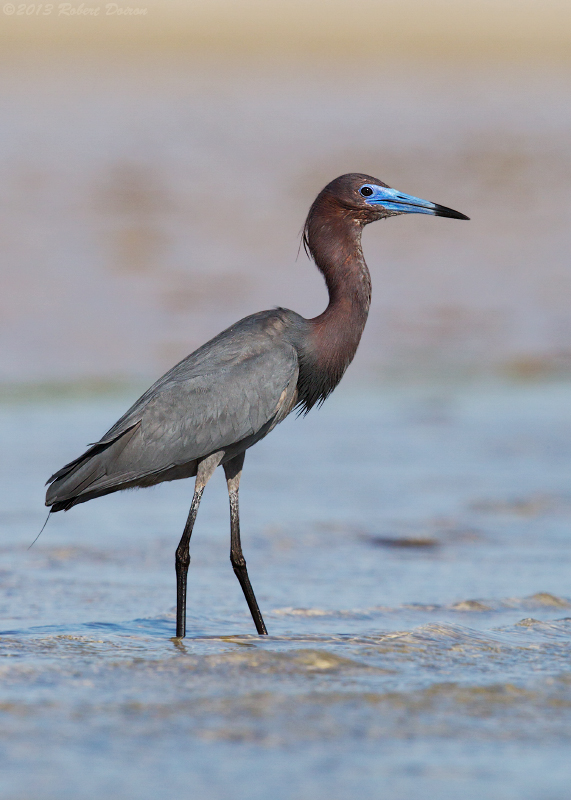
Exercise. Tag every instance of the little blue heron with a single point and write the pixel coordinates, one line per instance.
(231, 392)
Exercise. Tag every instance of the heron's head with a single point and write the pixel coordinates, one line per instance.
(371, 199)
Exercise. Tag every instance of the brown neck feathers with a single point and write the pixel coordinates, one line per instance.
(332, 236)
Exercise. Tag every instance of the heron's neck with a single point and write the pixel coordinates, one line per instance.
(334, 240)
(335, 243)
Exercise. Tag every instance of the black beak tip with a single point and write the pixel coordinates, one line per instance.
(442, 211)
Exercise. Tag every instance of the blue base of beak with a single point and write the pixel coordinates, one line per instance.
(407, 204)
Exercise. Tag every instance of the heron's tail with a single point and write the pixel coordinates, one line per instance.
(91, 475)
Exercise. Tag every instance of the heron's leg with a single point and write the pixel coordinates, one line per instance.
(233, 470)
(182, 560)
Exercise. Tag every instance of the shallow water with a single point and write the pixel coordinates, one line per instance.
(410, 549)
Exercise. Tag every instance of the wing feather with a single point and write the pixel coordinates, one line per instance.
(231, 389)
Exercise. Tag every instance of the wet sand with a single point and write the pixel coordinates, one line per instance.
(145, 206)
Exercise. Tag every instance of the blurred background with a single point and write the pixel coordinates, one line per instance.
(409, 543)
(157, 162)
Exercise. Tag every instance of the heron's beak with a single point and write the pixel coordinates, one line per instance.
(407, 204)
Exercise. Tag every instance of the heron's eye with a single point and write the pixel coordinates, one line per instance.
(366, 191)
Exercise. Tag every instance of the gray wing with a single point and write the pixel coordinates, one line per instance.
(234, 388)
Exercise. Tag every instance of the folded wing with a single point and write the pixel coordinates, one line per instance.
(228, 394)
